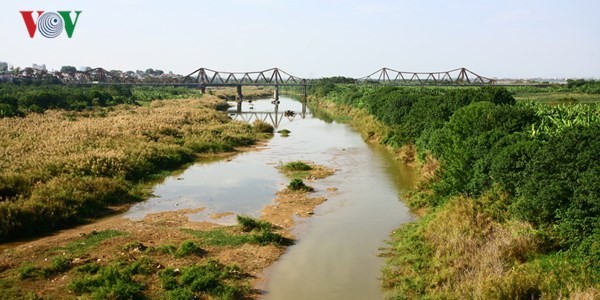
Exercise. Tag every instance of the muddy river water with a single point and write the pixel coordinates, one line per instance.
(335, 255)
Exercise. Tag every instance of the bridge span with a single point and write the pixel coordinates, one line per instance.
(205, 77)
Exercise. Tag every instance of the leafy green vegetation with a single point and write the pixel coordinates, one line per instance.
(297, 166)
(249, 224)
(18, 100)
(253, 232)
(210, 278)
(284, 132)
(114, 281)
(58, 264)
(298, 169)
(298, 185)
(90, 241)
(515, 194)
(218, 237)
(188, 248)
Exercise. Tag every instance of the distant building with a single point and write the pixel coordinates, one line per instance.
(39, 67)
(3, 67)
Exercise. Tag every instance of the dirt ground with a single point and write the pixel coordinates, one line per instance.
(154, 230)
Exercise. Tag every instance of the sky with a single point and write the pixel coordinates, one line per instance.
(312, 39)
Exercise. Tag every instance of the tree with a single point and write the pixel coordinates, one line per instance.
(68, 69)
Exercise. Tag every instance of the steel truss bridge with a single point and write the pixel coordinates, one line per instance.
(460, 76)
(273, 76)
(204, 77)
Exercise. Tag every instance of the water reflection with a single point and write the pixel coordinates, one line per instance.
(247, 111)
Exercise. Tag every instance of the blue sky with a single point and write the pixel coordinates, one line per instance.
(309, 38)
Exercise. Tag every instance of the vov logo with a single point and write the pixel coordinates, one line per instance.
(50, 24)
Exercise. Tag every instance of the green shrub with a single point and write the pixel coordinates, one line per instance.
(28, 271)
(266, 237)
(297, 166)
(524, 161)
(298, 185)
(284, 132)
(166, 249)
(210, 278)
(250, 224)
(115, 281)
(90, 268)
(263, 127)
(189, 248)
(59, 264)
(90, 240)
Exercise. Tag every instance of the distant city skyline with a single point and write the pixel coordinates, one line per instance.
(311, 39)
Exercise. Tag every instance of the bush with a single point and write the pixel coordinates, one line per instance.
(520, 163)
(198, 280)
(249, 224)
(263, 127)
(115, 281)
(298, 185)
(189, 248)
(297, 166)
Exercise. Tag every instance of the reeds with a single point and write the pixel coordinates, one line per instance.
(59, 168)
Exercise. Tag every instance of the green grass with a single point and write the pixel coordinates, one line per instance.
(297, 166)
(115, 281)
(58, 264)
(90, 241)
(218, 237)
(211, 278)
(296, 169)
(27, 271)
(250, 224)
(125, 280)
(188, 248)
(558, 97)
(254, 232)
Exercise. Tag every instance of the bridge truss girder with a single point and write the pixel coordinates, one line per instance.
(460, 76)
(273, 76)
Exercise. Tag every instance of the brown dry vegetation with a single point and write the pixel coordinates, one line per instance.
(59, 168)
(249, 92)
(462, 251)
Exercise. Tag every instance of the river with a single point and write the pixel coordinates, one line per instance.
(335, 255)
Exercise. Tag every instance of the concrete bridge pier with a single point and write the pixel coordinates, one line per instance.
(239, 98)
(304, 107)
(239, 107)
(202, 89)
(304, 93)
(276, 94)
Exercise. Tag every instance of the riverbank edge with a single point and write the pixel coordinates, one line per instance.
(460, 249)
